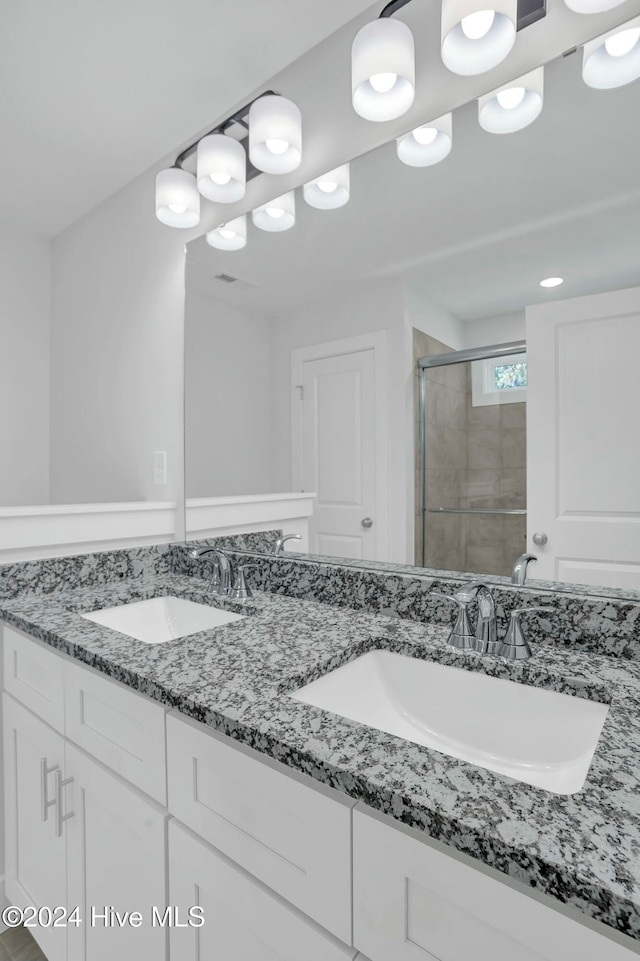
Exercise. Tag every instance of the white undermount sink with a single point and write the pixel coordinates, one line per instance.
(530, 734)
(161, 619)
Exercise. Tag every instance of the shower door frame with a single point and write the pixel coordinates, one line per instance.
(444, 360)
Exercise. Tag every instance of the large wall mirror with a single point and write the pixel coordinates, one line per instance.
(302, 349)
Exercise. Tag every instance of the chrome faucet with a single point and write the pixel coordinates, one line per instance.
(486, 627)
(279, 544)
(462, 637)
(223, 572)
(484, 640)
(519, 573)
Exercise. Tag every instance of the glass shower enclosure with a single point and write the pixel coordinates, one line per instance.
(471, 457)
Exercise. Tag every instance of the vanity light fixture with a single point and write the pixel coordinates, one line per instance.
(428, 144)
(552, 282)
(177, 198)
(476, 39)
(613, 59)
(275, 135)
(276, 215)
(229, 236)
(514, 105)
(222, 169)
(383, 67)
(329, 191)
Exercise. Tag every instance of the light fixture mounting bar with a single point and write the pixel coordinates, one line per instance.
(239, 118)
(529, 11)
(393, 7)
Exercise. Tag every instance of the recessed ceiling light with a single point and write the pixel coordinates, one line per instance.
(552, 281)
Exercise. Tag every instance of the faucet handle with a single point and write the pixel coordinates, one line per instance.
(461, 636)
(515, 645)
(240, 590)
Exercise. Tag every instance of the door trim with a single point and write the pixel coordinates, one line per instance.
(377, 342)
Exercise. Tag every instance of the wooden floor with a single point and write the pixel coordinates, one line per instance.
(16, 944)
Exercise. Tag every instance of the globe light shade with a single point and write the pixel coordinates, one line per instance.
(514, 105)
(275, 135)
(177, 198)
(613, 59)
(592, 6)
(427, 144)
(383, 71)
(477, 37)
(329, 191)
(229, 236)
(276, 215)
(222, 169)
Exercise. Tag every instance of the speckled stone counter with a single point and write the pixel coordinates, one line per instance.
(582, 849)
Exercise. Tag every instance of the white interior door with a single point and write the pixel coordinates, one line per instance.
(339, 444)
(583, 454)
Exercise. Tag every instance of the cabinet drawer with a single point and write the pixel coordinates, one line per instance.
(242, 920)
(122, 729)
(34, 675)
(414, 902)
(293, 837)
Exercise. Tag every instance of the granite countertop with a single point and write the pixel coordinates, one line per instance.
(583, 849)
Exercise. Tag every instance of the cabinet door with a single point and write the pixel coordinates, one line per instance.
(243, 920)
(116, 860)
(35, 856)
(413, 901)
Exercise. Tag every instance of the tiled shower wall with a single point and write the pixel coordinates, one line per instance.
(475, 458)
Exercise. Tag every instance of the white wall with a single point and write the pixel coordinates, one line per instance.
(117, 349)
(24, 368)
(494, 330)
(227, 398)
(432, 319)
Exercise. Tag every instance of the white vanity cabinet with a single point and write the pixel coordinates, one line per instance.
(76, 833)
(114, 802)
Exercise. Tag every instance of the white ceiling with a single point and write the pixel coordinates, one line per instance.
(477, 232)
(94, 92)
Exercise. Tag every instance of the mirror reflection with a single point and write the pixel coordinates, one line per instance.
(303, 349)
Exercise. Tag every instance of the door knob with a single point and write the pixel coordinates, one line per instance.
(366, 522)
(540, 539)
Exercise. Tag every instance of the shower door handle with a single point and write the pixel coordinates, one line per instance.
(366, 523)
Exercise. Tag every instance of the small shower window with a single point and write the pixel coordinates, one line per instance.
(499, 380)
(508, 376)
